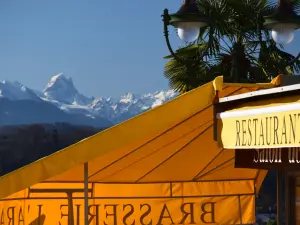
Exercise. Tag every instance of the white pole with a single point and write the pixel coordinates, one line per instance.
(86, 194)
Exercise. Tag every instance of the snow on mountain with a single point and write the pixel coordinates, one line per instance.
(129, 105)
(16, 91)
(62, 89)
(61, 92)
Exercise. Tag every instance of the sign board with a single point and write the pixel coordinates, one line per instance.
(266, 127)
(196, 211)
(176, 203)
(272, 158)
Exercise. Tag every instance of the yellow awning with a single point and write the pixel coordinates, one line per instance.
(160, 166)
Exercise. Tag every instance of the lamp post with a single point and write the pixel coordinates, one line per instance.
(283, 24)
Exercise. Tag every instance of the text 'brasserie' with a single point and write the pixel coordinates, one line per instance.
(113, 214)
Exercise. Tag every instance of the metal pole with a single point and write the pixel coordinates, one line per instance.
(280, 198)
(86, 194)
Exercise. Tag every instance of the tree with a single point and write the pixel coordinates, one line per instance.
(235, 45)
(24, 144)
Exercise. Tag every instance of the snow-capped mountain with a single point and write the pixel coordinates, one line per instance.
(16, 91)
(129, 105)
(70, 105)
(61, 89)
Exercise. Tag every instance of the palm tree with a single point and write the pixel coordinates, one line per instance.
(235, 45)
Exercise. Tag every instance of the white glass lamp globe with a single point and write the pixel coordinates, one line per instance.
(283, 35)
(189, 31)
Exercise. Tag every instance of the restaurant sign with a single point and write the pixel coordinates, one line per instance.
(271, 158)
(268, 127)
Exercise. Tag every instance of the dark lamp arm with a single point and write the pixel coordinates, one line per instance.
(294, 60)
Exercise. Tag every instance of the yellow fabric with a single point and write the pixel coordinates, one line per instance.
(128, 203)
(165, 157)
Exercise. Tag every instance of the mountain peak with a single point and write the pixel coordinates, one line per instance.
(12, 83)
(14, 90)
(59, 80)
(129, 95)
(61, 89)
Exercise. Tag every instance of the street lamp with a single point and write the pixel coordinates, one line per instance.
(188, 20)
(283, 22)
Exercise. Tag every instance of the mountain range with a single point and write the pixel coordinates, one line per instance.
(60, 101)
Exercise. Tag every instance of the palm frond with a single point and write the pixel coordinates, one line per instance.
(183, 78)
(189, 51)
(296, 5)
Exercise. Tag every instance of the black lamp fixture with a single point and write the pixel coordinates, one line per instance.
(283, 22)
(188, 20)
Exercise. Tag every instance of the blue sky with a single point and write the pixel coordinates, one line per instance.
(107, 47)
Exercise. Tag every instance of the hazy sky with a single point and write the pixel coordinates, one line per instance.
(107, 47)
